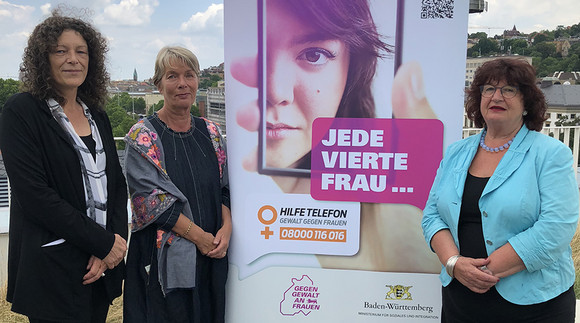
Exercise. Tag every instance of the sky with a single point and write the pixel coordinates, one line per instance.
(137, 29)
(527, 15)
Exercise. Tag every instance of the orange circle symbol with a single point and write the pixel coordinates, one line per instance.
(261, 212)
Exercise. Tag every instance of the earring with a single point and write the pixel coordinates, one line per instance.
(525, 113)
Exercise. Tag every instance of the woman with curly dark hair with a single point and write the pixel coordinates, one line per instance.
(504, 207)
(515, 71)
(68, 214)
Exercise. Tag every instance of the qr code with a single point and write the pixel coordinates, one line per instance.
(434, 9)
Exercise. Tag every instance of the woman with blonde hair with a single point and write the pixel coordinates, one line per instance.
(178, 181)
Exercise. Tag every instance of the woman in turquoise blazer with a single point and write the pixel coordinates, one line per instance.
(504, 207)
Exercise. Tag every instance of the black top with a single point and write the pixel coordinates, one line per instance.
(91, 145)
(193, 167)
(470, 232)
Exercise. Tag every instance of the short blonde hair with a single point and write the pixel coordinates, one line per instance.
(169, 54)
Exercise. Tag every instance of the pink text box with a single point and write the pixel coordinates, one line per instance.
(375, 160)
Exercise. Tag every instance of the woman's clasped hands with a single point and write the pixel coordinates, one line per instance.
(474, 274)
(208, 244)
(97, 267)
(213, 247)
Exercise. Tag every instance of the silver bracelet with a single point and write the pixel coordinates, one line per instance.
(450, 265)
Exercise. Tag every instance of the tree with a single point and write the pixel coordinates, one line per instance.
(570, 63)
(138, 105)
(545, 49)
(121, 122)
(214, 80)
(561, 32)
(209, 80)
(204, 83)
(561, 120)
(574, 49)
(542, 37)
(157, 106)
(129, 104)
(117, 116)
(575, 30)
(547, 67)
(478, 35)
(486, 47)
(8, 87)
(517, 46)
(195, 111)
(472, 53)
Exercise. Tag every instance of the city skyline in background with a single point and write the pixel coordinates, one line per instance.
(137, 29)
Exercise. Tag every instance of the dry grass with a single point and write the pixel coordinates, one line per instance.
(6, 315)
(576, 256)
(116, 311)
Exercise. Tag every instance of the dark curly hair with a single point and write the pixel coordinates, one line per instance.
(35, 72)
(514, 71)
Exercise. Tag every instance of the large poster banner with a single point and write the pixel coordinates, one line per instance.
(338, 112)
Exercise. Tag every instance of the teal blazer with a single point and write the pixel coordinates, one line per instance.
(530, 201)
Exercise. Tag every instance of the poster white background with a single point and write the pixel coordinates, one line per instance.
(256, 289)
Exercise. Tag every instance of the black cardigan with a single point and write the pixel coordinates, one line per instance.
(48, 203)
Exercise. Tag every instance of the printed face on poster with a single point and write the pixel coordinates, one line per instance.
(331, 156)
(315, 62)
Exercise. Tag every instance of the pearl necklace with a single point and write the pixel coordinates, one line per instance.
(493, 150)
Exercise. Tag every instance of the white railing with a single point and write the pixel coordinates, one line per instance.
(4, 205)
(4, 192)
(570, 135)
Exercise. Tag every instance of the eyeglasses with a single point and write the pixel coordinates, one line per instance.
(507, 91)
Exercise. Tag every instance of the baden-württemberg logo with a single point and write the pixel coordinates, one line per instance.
(399, 292)
(399, 303)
